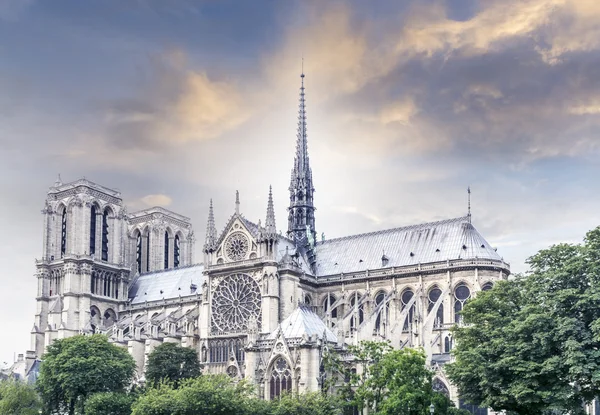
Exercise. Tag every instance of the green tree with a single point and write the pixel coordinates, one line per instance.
(77, 367)
(172, 362)
(109, 403)
(532, 344)
(312, 403)
(210, 394)
(386, 380)
(18, 398)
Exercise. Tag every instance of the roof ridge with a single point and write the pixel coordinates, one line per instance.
(399, 228)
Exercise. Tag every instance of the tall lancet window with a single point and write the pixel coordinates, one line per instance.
(166, 250)
(148, 251)
(138, 252)
(105, 235)
(176, 252)
(93, 230)
(406, 297)
(461, 294)
(281, 378)
(434, 296)
(63, 234)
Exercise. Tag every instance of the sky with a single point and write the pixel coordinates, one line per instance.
(409, 102)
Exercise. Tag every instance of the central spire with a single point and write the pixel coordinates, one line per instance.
(301, 218)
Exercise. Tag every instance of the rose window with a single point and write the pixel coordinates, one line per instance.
(236, 246)
(235, 300)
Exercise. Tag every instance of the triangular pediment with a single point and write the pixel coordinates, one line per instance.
(238, 241)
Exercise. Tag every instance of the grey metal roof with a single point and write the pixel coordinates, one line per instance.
(167, 284)
(304, 322)
(411, 245)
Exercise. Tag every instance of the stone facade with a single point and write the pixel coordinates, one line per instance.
(261, 305)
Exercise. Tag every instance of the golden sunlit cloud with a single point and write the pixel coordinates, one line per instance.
(156, 200)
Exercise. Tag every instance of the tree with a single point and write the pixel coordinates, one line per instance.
(77, 367)
(210, 394)
(18, 398)
(385, 380)
(312, 403)
(109, 403)
(532, 344)
(172, 362)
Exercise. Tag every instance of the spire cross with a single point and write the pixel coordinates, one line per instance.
(469, 203)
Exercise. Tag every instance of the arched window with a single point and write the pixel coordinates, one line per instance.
(166, 250)
(94, 318)
(281, 378)
(138, 252)
(461, 295)
(63, 233)
(93, 230)
(487, 286)
(379, 298)
(110, 318)
(148, 251)
(307, 299)
(434, 296)
(447, 344)
(176, 252)
(93, 283)
(354, 300)
(406, 296)
(329, 300)
(440, 387)
(105, 235)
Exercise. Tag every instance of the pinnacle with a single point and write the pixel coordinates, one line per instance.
(211, 230)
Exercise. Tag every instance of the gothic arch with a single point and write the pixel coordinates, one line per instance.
(461, 293)
(109, 318)
(440, 386)
(488, 285)
(280, 377)
(434, 293)
(95, 318)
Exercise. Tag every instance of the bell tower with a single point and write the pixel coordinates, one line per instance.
(82, 276)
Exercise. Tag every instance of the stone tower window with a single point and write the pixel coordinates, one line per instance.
(487, 286)
(166, 250)
(93, 230)
(138, 252)
(105, 235)
(176, 252)
(63, 234)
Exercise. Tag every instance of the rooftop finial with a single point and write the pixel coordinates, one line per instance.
(237, 202)
(270, 222)
(58, 181)
(211, 230)
(469, 203)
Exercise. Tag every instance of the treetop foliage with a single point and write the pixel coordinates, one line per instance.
(172, 362)
(532, 343)
(74, 368)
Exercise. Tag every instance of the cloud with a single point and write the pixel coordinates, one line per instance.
(176, 105)
(156, 200)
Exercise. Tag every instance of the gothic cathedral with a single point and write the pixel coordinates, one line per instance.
(262, 305)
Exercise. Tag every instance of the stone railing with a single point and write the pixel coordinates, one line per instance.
(417, 268)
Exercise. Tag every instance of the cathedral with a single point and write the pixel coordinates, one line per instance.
(262, 304)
